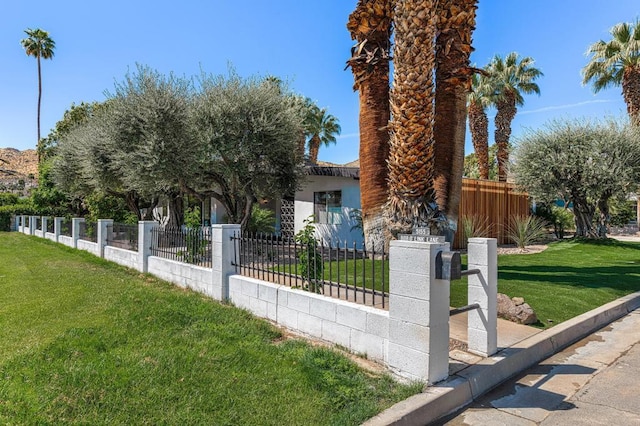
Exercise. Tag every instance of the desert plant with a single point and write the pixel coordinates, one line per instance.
(474, 226)
(526, 230)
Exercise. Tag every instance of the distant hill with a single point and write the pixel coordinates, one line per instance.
(18, 169)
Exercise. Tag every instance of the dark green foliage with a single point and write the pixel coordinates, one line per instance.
(262, 221)
(560, 218)
(7, 199)
(622, 212)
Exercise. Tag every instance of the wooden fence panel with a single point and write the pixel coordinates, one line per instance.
(495, 202)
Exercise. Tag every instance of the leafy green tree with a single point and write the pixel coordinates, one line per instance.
(580, 162)
(511, 77)
(246, 145)
(472, 168)
(617, 63)
(39, 45)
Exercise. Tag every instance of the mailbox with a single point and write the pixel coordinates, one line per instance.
(448, 265)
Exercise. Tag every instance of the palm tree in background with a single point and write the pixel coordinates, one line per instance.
(411, 160)
(456, 21)
(479, 100)
(321, 128)
(511, 78)
(617, 63)
(370, 26)
(39, 45)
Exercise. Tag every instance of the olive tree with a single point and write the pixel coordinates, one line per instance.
(585, 163)
(247, 143)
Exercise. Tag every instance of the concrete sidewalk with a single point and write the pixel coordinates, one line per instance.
(473, 378)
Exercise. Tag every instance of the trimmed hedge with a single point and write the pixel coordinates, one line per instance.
(8, 212)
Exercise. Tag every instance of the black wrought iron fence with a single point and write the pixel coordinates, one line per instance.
(124, 236)
(38, 223)
(188, 245)
(336, 270)
(88, 231)
(51, 225)
(65, 227)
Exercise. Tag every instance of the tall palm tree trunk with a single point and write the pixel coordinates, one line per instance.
(411, 168)
(370, 26)
(506, 111)
(38, 150)
(456, 21)
(479, 127)
(314, 149)
(631, 93)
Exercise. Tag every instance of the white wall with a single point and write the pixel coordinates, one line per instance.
(89, 246)
(361, 329)
(350, 200)
(196, 278)
(122, 257)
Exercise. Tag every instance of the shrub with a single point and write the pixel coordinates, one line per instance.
(622, 212)
(262, 221)
(526, 230)
(474, 226)
(310, 260)
(8, 212)
(7, 199)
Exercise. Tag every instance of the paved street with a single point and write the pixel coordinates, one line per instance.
(593, 382)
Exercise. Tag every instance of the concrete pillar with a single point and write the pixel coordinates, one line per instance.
(57, 227)
(418, 312)
(45, 220)
(32, 225)
(483, 289)
(223, 252)
(20, 223)
(145, 241)
(75, 230)
(17, 219)
(103, 234)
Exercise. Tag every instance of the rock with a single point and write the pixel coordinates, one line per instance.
(515, 310)
(518, 300)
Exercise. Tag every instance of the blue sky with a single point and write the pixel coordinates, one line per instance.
(303, 42)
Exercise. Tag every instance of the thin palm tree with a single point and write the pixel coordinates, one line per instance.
(456, 21)
(511, 78)
(479, 100)
(370, 26)
(411, 160)
(617, 63)
(39, 45)
(321, 129)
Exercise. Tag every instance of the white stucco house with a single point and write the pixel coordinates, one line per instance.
(330, 193)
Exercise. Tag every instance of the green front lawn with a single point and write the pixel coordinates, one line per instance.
(567, 279)
(86, 341)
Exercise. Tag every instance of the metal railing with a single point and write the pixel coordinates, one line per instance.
(335, 270)
(65, 227)
(188, 245)
(88, 231)
(123, 236)
(37, 224)
(51, 225)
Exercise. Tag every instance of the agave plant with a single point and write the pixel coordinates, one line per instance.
(526, 230)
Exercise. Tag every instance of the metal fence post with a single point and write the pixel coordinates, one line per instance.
(482, 328)
(418, 312)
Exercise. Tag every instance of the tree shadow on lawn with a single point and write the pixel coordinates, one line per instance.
(620, 277)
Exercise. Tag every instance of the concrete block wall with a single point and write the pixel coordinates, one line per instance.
(122, 257)
(187, 276)
(361, 329)
(89, 246)
(66, 240)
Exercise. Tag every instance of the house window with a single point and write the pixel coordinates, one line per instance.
(327, 207)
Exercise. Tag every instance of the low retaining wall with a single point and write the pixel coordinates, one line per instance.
(66, 240)
(196, 278)
(122, 257)
(50, 236)
(89, 246)
(361, 329)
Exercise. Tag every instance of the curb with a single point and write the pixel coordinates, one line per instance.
(474, 381)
